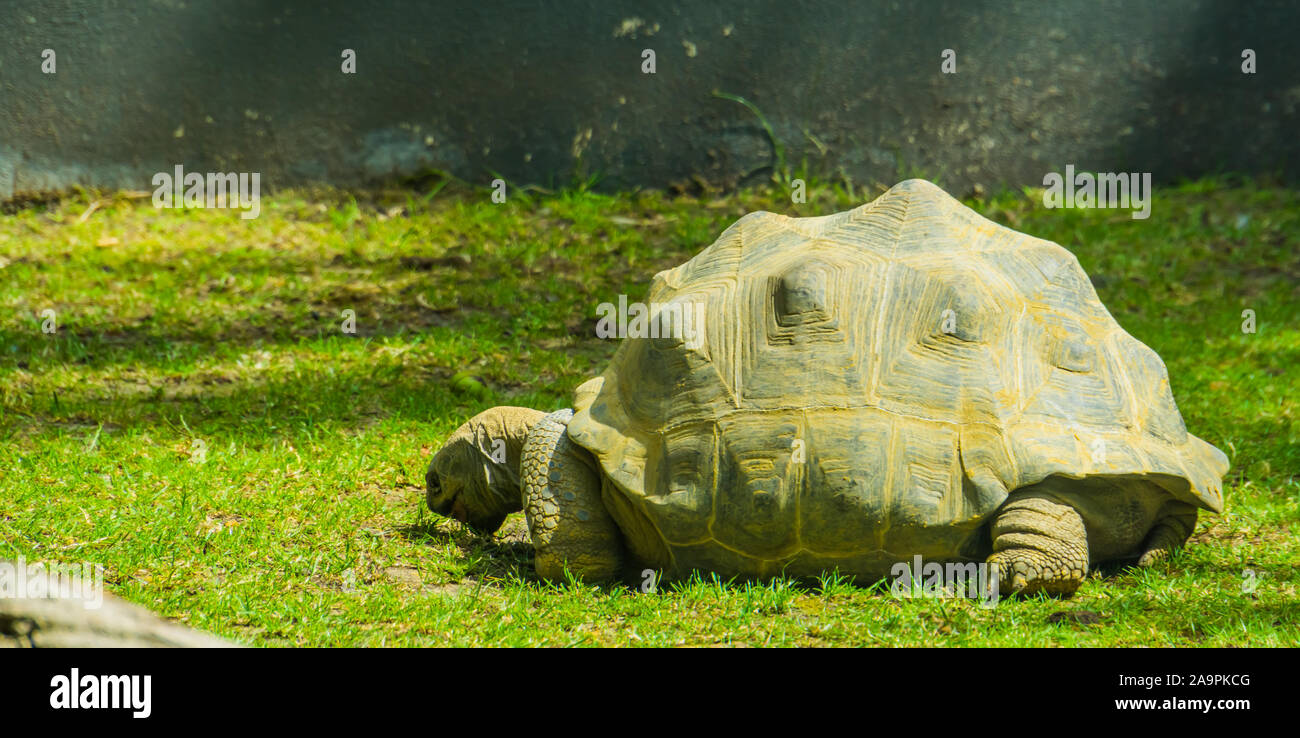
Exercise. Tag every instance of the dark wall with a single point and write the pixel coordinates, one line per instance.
(514, 87)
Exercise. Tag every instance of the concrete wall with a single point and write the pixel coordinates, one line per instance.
(543, 91)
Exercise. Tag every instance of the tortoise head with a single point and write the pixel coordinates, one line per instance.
(474, 477)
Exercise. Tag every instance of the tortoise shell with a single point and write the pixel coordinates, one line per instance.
(834, 389)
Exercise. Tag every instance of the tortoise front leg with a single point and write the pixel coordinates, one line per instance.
(1039, 545)
(568, 522)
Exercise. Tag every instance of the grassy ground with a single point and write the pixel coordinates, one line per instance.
(200, 424)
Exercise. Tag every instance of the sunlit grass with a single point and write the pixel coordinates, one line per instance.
(200, 424)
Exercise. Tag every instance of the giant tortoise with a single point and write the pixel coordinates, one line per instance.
(902, 379)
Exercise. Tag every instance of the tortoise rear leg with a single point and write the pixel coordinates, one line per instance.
(1174, 526)
(568, 522)
(1039, 545)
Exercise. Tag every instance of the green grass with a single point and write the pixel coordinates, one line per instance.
(200, 425)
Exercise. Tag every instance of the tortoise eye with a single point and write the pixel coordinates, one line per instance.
(438, 499)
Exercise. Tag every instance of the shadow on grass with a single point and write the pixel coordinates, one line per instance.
(355, 394)
(487, 557)
(446, 294)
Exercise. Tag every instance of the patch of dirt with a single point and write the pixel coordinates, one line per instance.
(429, 263)
(1220, 532)
(1080, 617)
(452, 589)
(404, 575)
(405, 495)
(217, 522)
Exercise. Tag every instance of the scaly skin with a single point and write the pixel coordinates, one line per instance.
(1177, 521)
(1039, 545)
(1041, 536)
(568, 522)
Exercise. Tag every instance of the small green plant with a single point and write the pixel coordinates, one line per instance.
(780, 172)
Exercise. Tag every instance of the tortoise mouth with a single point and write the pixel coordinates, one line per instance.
(484, 525)
(454, 507)
(433, 492)
(478, 524)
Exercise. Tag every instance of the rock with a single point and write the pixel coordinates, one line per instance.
(98, 621)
